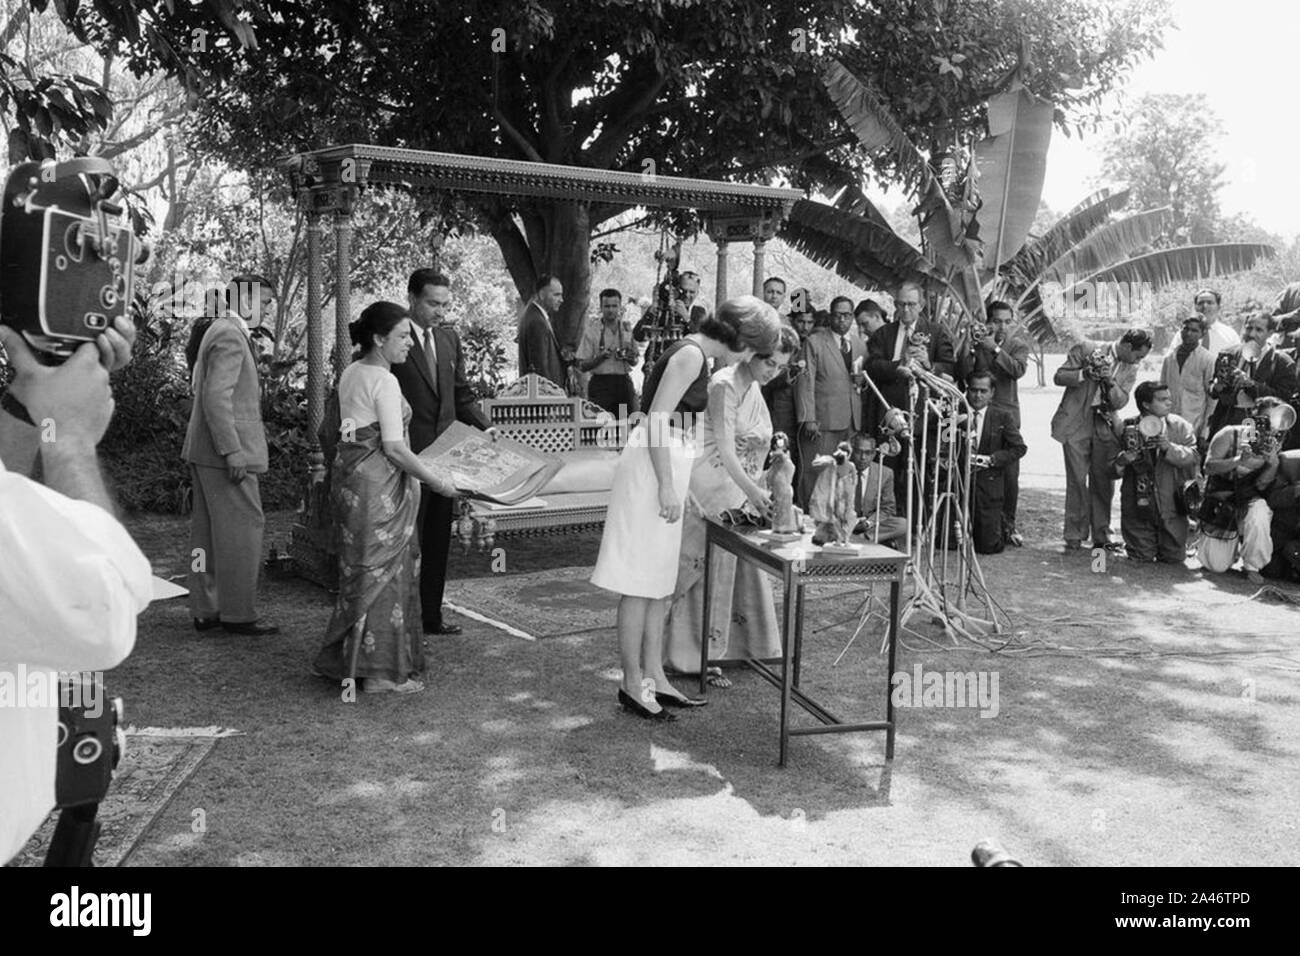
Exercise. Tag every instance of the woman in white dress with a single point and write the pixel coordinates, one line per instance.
(733, 441)
(642, 539)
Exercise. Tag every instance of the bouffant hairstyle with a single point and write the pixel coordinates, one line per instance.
(745, 322)
(787, 342)
(378, 318)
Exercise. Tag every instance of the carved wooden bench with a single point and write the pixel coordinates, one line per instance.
(535, 411)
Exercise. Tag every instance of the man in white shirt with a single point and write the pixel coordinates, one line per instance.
(1187, 370)
(71, 580)
(1218, 335)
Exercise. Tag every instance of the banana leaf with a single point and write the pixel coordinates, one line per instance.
(867, 253)
(1155, 270)
(1023, 269)
(945, 230)
(1111, 243)
(1011, 163)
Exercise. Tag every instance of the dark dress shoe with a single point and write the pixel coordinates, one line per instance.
(447, 629)
(632, 706)
(672, 700)
(250, 628)
(206, 623)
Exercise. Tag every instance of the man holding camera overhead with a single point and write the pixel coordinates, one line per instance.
(1004, 358)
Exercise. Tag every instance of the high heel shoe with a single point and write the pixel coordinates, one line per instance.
(632, 706)
(672, 700)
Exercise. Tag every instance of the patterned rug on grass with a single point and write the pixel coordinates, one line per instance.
(561, 601)
(156, 763)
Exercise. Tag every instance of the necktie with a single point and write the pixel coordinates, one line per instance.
(979, 428)
(862, 494)
(847, 351)
(431, 355)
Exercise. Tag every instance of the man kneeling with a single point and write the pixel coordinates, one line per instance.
(1158, 457)
(874, 498)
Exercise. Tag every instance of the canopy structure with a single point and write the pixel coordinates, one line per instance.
(328, 183)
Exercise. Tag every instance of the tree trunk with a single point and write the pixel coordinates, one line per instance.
(563, 231)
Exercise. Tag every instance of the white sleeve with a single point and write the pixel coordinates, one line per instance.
(388, 408)
(71, 580)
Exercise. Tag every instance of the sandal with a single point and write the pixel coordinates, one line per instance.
(714, 678)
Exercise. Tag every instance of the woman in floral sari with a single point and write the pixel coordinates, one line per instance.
(375, 634)
(734, 438)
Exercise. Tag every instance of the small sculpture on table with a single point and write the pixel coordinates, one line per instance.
(780, 481)
(832, 505)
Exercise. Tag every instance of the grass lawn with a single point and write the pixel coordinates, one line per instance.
(1145, 716)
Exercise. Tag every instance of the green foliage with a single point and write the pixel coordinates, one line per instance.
(1166, 150)
(713, 90)
(487, 365)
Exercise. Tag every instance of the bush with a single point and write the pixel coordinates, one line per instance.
(141, 452)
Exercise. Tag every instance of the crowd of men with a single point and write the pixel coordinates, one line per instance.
(1215, 392)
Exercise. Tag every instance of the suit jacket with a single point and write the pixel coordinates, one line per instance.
(437, 398)
(865, 502)
(999, 439)
(825, 393)
(1074, 416)
(539, 350)
(1274, 374)
(1007, 366)
(884, 370)
(1189, 387)
(227, 412)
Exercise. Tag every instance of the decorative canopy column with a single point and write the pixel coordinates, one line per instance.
(756, 228)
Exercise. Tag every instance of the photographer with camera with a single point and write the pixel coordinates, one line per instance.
(1241, 466)
(72, 581)
(608, 354)
(1157, 458)
(1097, 378)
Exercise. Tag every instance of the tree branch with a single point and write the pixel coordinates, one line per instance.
(614, 136)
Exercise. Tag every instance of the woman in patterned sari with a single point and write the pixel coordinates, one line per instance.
(734, 438)
(375, 634)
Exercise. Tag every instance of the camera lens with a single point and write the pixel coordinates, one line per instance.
(87, 750)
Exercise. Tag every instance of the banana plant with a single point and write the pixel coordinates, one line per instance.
(975, 218)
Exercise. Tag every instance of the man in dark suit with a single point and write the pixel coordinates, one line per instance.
(1005, 357)
(890, 350)
(434, 385)
(1270, 372)
(225, 445)
(539, 349)
(826, 400)
(996, 444)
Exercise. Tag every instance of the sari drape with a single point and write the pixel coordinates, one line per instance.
(375, 630)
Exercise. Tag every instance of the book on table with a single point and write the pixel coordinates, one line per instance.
(503, 471)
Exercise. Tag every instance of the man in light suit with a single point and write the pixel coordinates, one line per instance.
(826, 399)
(434, 385)
(539, 349)
(1083, 424)
(225, 445)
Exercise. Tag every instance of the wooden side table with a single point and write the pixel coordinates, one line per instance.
(797, 564)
